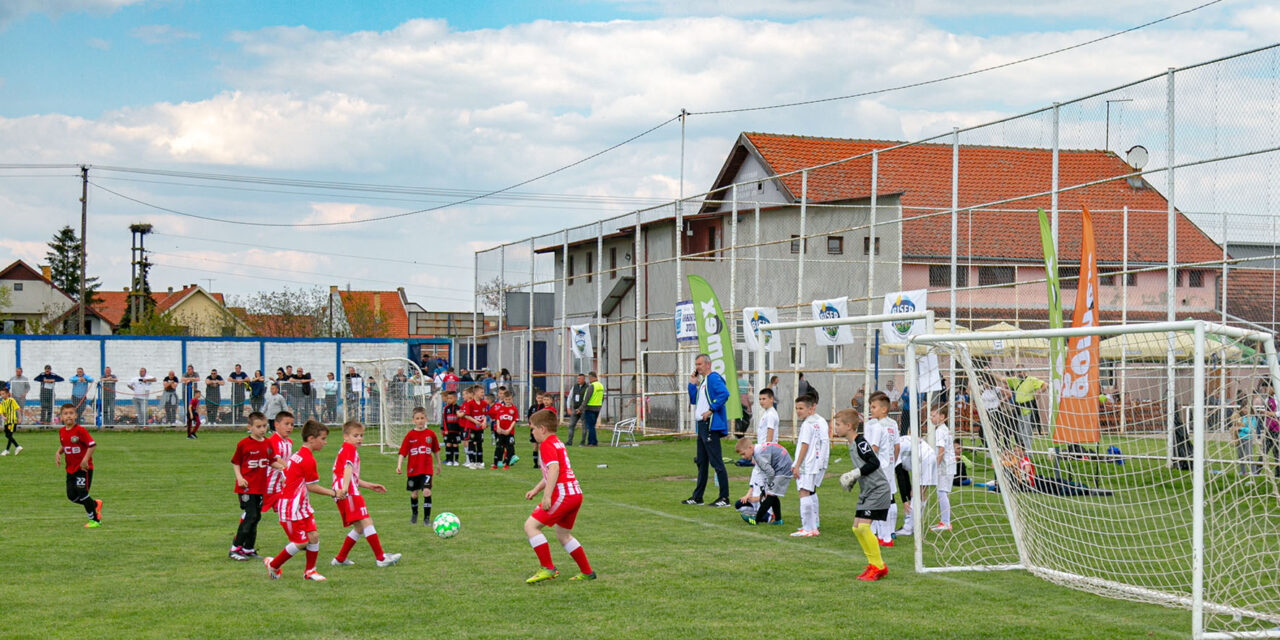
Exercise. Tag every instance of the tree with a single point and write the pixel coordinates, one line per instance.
(288, 313)
(363, 321)
(493, 296)
(64, 265)
(153, 324)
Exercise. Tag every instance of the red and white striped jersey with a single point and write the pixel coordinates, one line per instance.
(347, 456)
(293, 504)
(281, 449)
(552, 450)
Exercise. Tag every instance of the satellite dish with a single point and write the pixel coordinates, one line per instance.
(1137, 157)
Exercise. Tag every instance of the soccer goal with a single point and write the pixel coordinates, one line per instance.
(383, 397)
(1148, 472)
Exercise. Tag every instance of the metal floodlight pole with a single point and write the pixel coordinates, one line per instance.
(477, 315)
(502, 301)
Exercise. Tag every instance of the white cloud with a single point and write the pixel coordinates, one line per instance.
(162, 34)
(30, 251)
(99, 44)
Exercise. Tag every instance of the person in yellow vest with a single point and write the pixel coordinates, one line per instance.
(595, 401)
(1024, 388)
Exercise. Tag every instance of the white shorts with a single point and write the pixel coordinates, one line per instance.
(810, 481)
(761, 485)
(944, 482)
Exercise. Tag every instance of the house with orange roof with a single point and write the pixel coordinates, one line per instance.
(201, 312)
(36, 305)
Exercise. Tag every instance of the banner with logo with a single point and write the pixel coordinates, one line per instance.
(580, 341)
(716, 340)
(833, 309)
(905, 302)
(753, 317)
(1055, 312)
(686, 322)
(1078, 369)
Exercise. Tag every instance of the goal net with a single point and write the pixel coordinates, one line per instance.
(1152, 477)
(382, 394)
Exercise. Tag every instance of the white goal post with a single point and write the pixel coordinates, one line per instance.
(1158, 505)
(384, 401)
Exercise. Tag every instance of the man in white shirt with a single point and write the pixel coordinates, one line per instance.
(140, 388)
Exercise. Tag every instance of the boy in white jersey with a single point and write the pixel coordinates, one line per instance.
(944, 457)
(767, 427)
(813, 447)
(882, 434)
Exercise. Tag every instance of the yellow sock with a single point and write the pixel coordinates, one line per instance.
(870, 546)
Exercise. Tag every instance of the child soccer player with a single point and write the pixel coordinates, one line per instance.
(505, 415)
(77, 446)
(296, 515)
(9, 411)
(812, 454)
(1246, 427)
(542, 402)
(944, 462)
(452, 427)
(769, 480)
(474, 411)
(281, 451)
(561, 498)
(767, 427)
(193, 415)
(874, 495)
(346, 488)
(882, 433)
(419, 446)
(250, 463)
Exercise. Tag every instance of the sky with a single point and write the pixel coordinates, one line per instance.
(447, 100)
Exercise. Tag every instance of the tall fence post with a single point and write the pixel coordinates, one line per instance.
(562, 335)
(601, 363)
(638, 291)
(502, 301)
(871, 271)
(733, 270)
(1171, 270)
(955, 252)
(796, 346)
(477, 315)
(529, 342)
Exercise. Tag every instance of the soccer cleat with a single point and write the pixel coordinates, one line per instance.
(866, 570)
(97, 510)
(505, 467)
(17, 451)
(4, 453)
(746, 518)
(883, 543)
(691, 501)
(272, 572)
(874, 574)
(513, 460)
(313, 575)
(342, 563)
(92, 524)
(389, 559)
(720, 502)
(250, 553)
(776, 522)
(940, 527)
(492, 467)
(582, 577)
(541, 575)
(413, 518)
(237, 556)
(803, 533)
(903, 532)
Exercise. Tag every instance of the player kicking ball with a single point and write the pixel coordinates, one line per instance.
(346, 487)
(561, 498)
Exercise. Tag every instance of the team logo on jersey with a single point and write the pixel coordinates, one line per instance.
(829, 312)
(903, 305)
(75, 439)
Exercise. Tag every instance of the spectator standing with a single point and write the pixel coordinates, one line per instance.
(273, 405)
(190, 384)
(108, 384)
(140, 388)
(803, 388)
(19, 387)
(355, 387)
(708, 395)
(330, 400)
(577, 408)
(79, 391)
(169, 397)
(289, 388)
(595, 402)
(47, 380)
(239, 384)
(306, 400)
(398, 390)
(213, 396)
(257, 390)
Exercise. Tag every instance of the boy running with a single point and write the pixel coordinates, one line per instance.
(419, 446)
(874, 494)
(452, 428)
(77, 446)
(9, 411)
(296, 515)
(561, 499)
(193, 415)
(250, 463)
(346, 488)
(812, 454)
(505, 415)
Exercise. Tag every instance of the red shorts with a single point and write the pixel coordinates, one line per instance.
(296, 530)
(352, 510)
(564, 510)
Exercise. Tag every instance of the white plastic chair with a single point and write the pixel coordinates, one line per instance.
(624, 427)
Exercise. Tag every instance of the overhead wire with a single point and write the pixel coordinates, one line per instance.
(308, 273)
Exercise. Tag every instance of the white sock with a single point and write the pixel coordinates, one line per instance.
(944, 507)
(571, 546)
(370, 531)
(877, 527)
(804, 513)
(908, 520)
(292, 549)
(313, 547)
(813, 506)
(355, 537)
(892, 523)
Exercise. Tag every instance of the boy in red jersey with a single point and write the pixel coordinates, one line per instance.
(561, 498)
(77, 446)
(473, 414)
(295, 510)
(420, 446)
(193, 415)
(541, 402)
(281, 451)
(346, 487)
(250, 463)
(504, 415)
(452, 428)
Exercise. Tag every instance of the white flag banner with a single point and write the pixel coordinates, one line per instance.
(833, 309)
(753, 317)
(580, 341)
(905, 302)
(928, 372)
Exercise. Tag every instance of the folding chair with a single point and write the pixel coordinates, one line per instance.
(624, 427)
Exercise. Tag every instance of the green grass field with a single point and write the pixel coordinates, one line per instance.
(158, 569)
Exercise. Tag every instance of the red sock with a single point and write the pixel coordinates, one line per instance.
(579, 556)
(311, 558)
(375, 545)
(347, 543)
(281, 558)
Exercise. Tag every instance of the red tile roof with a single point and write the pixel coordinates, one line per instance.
(922, 175)
(114, 304)
(388, 303)
(1252, 295)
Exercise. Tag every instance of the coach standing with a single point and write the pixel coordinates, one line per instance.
(708, 394)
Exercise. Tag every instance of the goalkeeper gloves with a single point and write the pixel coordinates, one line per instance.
(849, 478)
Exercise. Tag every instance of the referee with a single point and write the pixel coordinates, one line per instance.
(708, 394)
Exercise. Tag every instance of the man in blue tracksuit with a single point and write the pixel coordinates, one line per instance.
(707, 395)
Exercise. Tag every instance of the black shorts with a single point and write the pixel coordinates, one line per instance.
(78, 484)
(418, 482)
(452, 436)
(872, 514)
(903, 476)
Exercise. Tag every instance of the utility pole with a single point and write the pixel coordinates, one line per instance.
(84, 240)
(140, 265)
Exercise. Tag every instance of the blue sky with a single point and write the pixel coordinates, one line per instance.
(472, 96)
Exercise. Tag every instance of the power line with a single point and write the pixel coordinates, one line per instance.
(307, 273)
(924, 83)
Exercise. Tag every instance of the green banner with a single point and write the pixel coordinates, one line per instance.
(715, 338)
(1055, 316)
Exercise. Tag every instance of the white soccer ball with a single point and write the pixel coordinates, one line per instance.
(446, 525)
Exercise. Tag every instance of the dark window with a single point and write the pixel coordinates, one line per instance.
(711, 240)
(1106, 279)
(591, 266)
(1195, 279)
(569, 273)
(866, 246)
(835, 245)
(1131, 279)
(17, 286)
(797, 243)
(995, 275)
(1068, 276)
(940, 275)
(613, 263)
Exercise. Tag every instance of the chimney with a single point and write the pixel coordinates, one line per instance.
(333, 288)
(170, 289)
(46, 272)
(125, 289)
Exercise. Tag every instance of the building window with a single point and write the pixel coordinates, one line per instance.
(1106, 278)
(591, 266)
(1068, 277)
(613, 263)
(995, 275)
(834, 357)
(1195, 279)
(866, 246)
(835, 245)
(797, 357)
(940, 275)
(17, 286)
(569, 272)
(797, 244)
(1131, 279)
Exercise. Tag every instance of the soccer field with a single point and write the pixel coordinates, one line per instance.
(157, 568)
